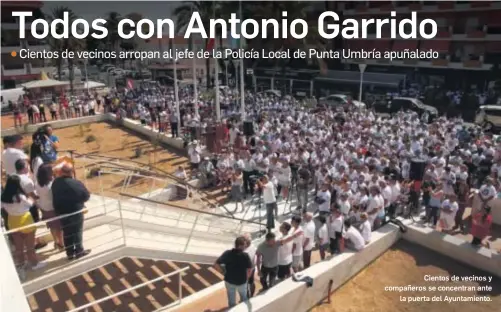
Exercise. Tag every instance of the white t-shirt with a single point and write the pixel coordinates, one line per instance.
(309, 232)
(44, 201)
(326, 196)
(285, 253)
(269, 194)
(194, 156)
(366, 231)
(27, 183)
(487, 191)
(336, 226)
(251, 251)
(18, 208)
(9, 158)
(354, 236)
(323, 234)
(298, 242)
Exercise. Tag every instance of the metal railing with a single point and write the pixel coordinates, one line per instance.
(121, 223)
(132, 168)
(180, 290)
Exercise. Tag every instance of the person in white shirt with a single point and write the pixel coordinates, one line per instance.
(309, 238)
(180, 173)
(487, 191)
(251, 250)
(323, 236)
(448, 213)
(352, 236)
(13, 145)
(365, 228)
(195, 157)
(285, 253)
(270, 200)
(17, 206)
(297, 247)
(45, 204)
(323, 200)
(336, 229)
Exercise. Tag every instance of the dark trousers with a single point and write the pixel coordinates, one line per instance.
(432, 215)
(306, 258)
(251, 286)
(334, 243)
(53, 115)
(43, 118)
(270, 215)
(458, 220)
(268, 277)
(248, 185)
(173, 129)
(72, 234)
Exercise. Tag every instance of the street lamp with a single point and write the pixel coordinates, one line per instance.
(85, 61)
(226, 61)
(361, 67)
(235, 64)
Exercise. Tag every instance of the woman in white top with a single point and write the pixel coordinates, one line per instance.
(17, 205)
(285, 254)
(236, 194)
(448, 213)
(35, 158)
(365, 228)
(44, 202)
(323, 236)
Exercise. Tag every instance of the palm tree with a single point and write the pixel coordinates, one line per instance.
(71, 43)
(207, 10)
(113, 38)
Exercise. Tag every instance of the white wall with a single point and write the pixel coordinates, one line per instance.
(457, 248)
(12, 296)
(293, 296)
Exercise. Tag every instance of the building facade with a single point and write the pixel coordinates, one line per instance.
(14, 69)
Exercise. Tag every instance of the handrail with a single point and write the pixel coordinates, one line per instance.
(90, 304)
(160, 174)
(36, 224)
(193, 210)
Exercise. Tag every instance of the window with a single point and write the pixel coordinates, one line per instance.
(493, 112)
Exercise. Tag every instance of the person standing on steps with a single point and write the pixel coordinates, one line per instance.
(69, 196)
(237, 271)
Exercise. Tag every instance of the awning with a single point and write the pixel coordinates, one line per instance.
(353, 77)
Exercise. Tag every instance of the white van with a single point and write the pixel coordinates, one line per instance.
(489, 116)
(10, 95)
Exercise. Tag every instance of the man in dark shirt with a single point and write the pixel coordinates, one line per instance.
(237, 270)
(69, 196)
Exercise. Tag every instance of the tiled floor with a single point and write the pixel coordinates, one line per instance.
(119, 275)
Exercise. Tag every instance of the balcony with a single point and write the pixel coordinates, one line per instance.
(441, 46)
(401, 45)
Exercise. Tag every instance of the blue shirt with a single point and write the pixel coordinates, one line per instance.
(49, 154)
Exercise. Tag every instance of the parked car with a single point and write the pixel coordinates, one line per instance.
(489, 117)
(404, 103)
(337, 100)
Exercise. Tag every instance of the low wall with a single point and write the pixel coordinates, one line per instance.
(293, 296)
(12, 297)
(56, 124)
(136, 126)
(481, 258)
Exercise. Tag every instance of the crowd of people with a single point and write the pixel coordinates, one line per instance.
(62, 107)
(352, 171)
(40, 187)
(349, 169)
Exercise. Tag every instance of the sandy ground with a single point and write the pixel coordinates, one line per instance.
(407, 264)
